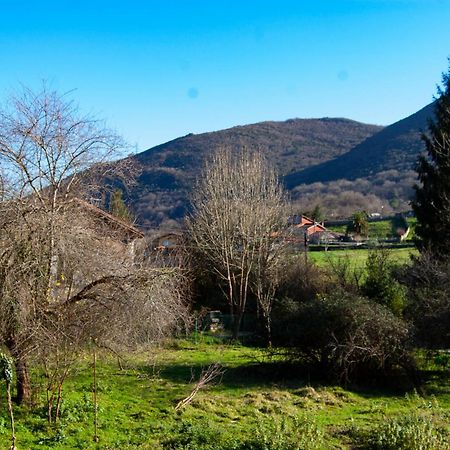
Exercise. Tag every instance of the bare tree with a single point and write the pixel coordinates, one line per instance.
(45, 149)
(238, 208)
(67, 272)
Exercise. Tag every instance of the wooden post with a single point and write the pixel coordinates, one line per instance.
(94, 394)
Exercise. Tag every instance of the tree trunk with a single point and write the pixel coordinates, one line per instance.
(237, 319)
(23, 380)
(268, 327)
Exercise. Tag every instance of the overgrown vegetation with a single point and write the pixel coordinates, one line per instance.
(69, 273)
(380, 285)
(344, 336)
(260, 401)
(78, 285)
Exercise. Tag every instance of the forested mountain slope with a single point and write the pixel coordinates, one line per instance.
(377, 175)
(396, 147)
(339, 164)
(168, 171)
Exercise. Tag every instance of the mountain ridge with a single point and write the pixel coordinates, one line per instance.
(169, 170)
(338, 163)
(394, 147)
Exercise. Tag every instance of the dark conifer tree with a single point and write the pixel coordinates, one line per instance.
(432, 201)
(317, 214)
(118, 207)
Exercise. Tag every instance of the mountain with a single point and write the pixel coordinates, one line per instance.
(339, 164)
(377, 175)
(396, 147)
(168, 171)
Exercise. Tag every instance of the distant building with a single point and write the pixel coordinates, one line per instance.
(115, 227)
(168, 241)
(303, 231)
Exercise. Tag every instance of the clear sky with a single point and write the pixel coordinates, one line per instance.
(157, 70)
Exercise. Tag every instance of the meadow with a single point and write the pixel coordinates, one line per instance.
(381, 229)
(259, 402)
(358, 257)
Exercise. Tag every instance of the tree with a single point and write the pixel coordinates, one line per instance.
(45, 151)
(432, 200)
(118, 207)
(237, 213)
(380, 284)
(317, 214)
(359, 223)
(66, 275)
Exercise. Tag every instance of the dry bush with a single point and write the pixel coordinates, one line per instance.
(346, 336)
(300, 280)
(69, 273)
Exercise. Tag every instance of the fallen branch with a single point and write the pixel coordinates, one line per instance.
(207, 377)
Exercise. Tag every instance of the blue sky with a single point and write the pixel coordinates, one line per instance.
(156, 70)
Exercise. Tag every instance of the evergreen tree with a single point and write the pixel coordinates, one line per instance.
(432, 200)
(118, 207)
(359, 224)
(317, 214)
(380, 284)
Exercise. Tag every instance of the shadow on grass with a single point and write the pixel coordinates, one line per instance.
(288, 376)
(245, 375)
(437, 382)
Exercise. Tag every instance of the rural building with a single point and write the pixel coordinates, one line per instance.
(303, 231)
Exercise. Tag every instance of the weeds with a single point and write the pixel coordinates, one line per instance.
(417, 431)
(263, 406)
(287, 433)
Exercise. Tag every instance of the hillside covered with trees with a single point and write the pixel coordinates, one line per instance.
(168, 171)
(341, 164)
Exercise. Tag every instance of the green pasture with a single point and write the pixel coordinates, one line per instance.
(259, 398)
(382, 229)
(358, 257)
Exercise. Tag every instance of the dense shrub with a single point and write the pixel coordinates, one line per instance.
(300, 280)
(346, 335)
(428, 282)
(380, 284)
(410, 432)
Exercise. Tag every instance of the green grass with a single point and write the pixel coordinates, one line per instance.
(259, 398)
(358, 257)
(381, 229)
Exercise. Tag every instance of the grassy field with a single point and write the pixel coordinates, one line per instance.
(358, 257)
(259, 403)
(381, 229)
